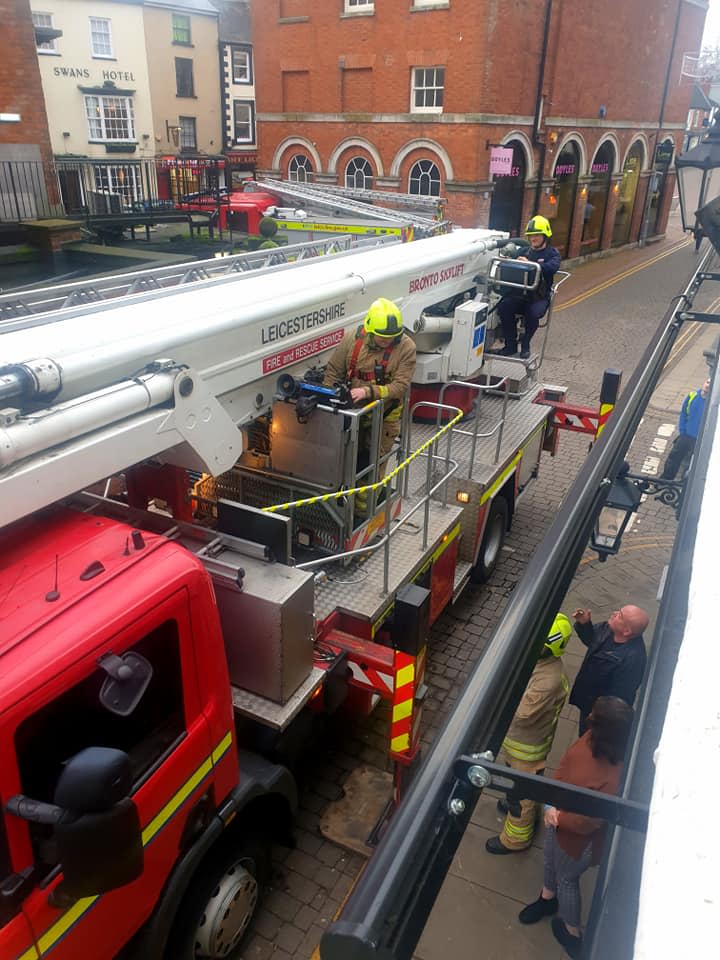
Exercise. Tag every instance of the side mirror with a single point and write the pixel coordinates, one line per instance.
(96, 824)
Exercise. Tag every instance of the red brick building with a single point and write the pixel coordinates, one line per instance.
(416, 96)
(27, 185)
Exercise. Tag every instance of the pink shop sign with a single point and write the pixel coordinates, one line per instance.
(501, 161)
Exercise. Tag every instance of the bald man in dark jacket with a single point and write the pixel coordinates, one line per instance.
(614, 665)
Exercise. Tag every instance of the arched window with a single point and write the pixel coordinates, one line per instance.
(627, 189)
(358, 174)
(596, 192)
(424, 179)
(299, 168)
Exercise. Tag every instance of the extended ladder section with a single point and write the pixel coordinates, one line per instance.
(39, 300)
(428, 205)
(320, 198)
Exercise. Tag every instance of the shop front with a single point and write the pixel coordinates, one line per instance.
(508, 193)
(597, 190)
(242, 167)
(562, 201)
(626, 194)
(663, 158)
(181, 179)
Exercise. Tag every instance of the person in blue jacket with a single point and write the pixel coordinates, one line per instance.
(533, 307)
(691, 413)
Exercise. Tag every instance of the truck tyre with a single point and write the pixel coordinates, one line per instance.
(220, 903)
(492, 541)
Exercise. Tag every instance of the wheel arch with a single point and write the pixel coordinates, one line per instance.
(265, 799)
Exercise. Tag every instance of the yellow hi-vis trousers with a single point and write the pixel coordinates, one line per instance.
(519, 826)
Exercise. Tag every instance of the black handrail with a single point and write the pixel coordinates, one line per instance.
(387, 910)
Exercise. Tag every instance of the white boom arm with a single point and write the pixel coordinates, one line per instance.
(174, 373)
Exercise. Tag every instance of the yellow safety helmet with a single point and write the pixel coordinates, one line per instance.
(537, 225)
(384, 318)
(559, 635)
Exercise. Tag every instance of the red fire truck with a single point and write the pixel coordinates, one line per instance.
(187, 588)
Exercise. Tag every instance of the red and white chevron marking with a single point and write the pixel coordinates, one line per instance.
(371, 678)
(575, 421)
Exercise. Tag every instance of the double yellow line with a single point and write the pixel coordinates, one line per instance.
(621, 276)
(688, 333)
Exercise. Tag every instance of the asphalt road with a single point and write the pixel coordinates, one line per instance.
(605, 317)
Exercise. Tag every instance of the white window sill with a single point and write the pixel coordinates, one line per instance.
(348, 15)
(438, 5)
(103, 56)
(426, 111)
(127, 140)
(47, 53)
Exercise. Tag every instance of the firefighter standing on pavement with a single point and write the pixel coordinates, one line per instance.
(379, 361)
(530, 736)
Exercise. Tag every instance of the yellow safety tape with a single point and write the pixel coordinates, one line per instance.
(402, 710)
(308, 501)
(493, 488)
(78, 909)
(399, 744)
(405, 675)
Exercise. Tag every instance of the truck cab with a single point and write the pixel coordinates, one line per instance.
(96, 590)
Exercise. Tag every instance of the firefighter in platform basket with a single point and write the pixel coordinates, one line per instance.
(378, 360)
(534, 306)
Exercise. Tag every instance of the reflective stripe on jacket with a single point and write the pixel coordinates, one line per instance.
(397, 373)
(530, 735)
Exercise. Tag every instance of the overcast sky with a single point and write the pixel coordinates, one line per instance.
(712, 25)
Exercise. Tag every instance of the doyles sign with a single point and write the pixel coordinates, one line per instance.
(501, 161)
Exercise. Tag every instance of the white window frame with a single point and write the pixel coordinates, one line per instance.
(305, 166)
(104, 121)
(239, 51)
(108, 181)
(421, 73)
(250, 120)
(360, 165)
(93, 51)
(190, 123)
(422, 173)
(359, 6)
(181, 16)
(47, 46)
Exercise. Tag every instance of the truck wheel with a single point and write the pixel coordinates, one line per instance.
(492, 541)
(220, 903)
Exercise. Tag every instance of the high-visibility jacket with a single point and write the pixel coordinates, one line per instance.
(530, 735)
(691, 414)
(358, 358)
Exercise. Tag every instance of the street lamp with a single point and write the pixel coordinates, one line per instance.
(698, 176)
(622, 501)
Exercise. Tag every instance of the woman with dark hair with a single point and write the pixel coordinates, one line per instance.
(574, 842)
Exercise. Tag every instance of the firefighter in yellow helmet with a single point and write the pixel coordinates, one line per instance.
(535, 305)
(530, 736)
(379, 361)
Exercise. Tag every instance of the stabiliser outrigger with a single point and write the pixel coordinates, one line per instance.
(387, 910)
